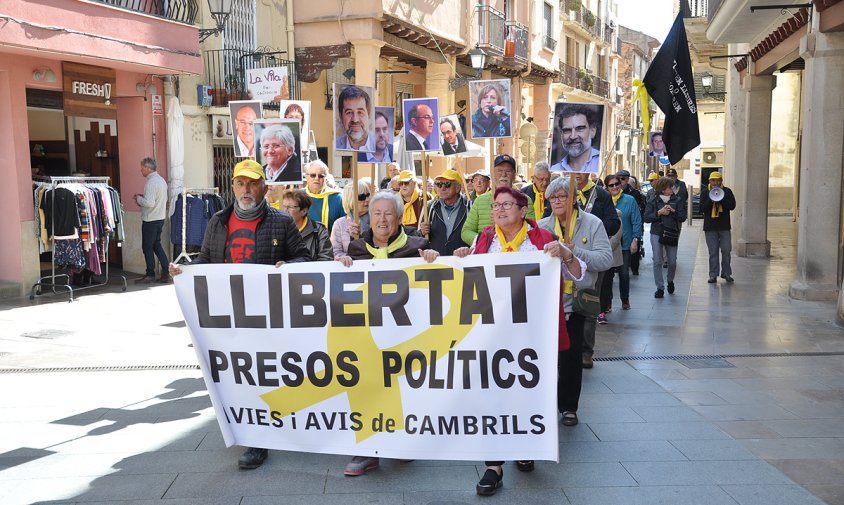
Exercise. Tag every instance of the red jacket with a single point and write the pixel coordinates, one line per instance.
(538, 237)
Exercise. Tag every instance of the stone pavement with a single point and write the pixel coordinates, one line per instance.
(718, 394)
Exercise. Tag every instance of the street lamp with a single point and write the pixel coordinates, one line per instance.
(478, 58)
(220, 12)
(706, 82)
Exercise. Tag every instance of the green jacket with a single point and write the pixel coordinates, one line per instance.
(480, 216)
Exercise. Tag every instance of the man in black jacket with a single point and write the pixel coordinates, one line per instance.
(250, 231)
(598, 202)
(716, 227)
(628, 189)
(536, 191)
(447, 214)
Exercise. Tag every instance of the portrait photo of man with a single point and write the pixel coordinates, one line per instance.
(576, 143)
(421, 119)
(452, 135)
(353, 113)
(384, 123)
(279, 150)
(244, 113)
(657, 145)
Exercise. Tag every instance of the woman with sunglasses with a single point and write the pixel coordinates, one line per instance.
(512, 231)
(345, 229)
(314, 235)
(631, 239)
(446, 214)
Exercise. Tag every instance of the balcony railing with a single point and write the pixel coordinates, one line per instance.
(225, 72)
(580, 79)
(550, 43)
(600, 87)
(516, 43)
(584, 17)
(492, 29)
(182, 11)
(608, 34)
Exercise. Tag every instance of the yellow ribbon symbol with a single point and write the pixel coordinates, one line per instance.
(369, 396)
(642, 95)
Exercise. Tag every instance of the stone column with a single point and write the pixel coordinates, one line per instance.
(367, 56)
(754, 227)
(543, 105)
(822, 149)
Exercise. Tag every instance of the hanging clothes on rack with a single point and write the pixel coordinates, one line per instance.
(200, 207)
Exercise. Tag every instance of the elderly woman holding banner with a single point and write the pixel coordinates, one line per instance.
(346, 227)
(513, 232)
(589, 243)
(386, 238)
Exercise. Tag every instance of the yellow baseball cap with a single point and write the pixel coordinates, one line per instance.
(715, 175)
(654, 176)
(248, 168)
(406, 175)
(451, 175)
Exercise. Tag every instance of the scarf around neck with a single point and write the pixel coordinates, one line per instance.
(513, 245)
(251, 214)
(581, 193)
(717, 208)
(616, 198)
(538, 203)
(409, 216)
(322, 195)
(382, 253)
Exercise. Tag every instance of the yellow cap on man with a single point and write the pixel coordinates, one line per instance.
(451, 175)
(715, 175)
(248, 168)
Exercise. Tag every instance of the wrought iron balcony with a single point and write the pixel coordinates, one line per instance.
(225, 72)
(516, 43)
(580, 79)
(182, 11)
(583, 16)
(550, 43)
(600, 87)
(492, 29)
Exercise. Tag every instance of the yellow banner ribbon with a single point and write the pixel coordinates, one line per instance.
(642, 95)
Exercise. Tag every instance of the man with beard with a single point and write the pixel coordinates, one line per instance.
(578, 124)
(421, 120)
(383, 147)
(452, 141)
(353, 108)
(250, 231)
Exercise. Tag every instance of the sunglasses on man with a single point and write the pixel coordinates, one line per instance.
(445, 185)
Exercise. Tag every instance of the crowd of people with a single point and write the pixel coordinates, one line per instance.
(595, 227)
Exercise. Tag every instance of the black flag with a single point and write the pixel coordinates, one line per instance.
(670, 83)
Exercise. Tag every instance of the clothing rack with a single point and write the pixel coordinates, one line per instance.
(184, 254)
(50, 281)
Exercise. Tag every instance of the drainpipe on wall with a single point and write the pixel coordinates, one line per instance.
(291, 53)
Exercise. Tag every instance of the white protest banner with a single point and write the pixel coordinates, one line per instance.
(268, 84)
(396, 358)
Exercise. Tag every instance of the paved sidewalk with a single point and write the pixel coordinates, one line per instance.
(736, 425)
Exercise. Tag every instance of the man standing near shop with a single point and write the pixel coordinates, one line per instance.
(153, 204)
(250, 231)
(716, 227)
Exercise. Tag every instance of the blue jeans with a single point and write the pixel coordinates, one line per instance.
(151, 246)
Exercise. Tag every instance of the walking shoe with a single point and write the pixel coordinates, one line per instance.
(569, 418)
(711, 280)
(670, 288)
(625, 305)
(252, 458)
(525, 466)
(659, 293)
(729, 279)
(602, 318)
(359, 465)
(490, 482)
(634, 272)
(609, 309)
(587, 361)
(147, 279)
(165, 279)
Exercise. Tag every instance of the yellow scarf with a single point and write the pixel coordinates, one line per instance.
(324, 197)
(382, 253)
(513, 245)
(568, 286)
(305, 223)
(717, 208)
(538, 203)
(275, 205)
(409, 216)
(581, 192)
(616, 198)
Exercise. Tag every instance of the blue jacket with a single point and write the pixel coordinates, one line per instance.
(631, 221)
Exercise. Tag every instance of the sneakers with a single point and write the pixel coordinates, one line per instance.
(729, 278)
(602, 318)
(670, 288)
(659, 293)
(359, 465)
(625, 305)
(147, 279)
(711, 280)
(587, 361)
(490, 482)
(252, 458)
